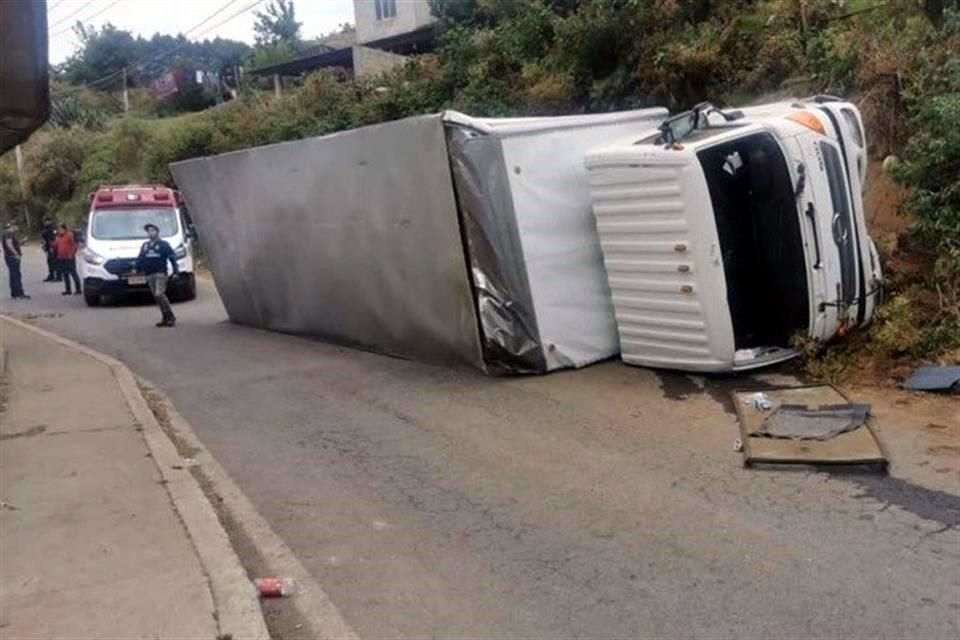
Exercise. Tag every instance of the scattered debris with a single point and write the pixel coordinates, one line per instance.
(934, 379)
(8, 506)
(833, 432)
(798, 422)
(760, 401)
(274, 587)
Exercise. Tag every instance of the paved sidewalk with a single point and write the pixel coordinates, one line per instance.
(92, 546)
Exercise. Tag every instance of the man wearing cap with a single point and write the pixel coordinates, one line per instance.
(152, 262)
(12, 256)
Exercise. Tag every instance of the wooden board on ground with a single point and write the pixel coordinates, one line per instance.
(857, 447)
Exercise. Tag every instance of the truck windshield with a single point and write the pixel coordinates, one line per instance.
(758, 226)
(127, 224)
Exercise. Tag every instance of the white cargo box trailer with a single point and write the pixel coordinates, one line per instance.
(443, 238)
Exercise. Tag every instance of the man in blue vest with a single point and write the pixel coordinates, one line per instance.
(152, 262)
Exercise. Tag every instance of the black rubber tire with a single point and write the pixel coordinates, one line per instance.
(91, 299)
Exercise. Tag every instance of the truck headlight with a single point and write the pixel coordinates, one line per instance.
(180, 252)
(92, 257)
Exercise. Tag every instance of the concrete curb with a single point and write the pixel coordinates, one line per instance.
(237, 607)
(321, 616)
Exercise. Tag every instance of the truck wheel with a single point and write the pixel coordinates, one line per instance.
(92, 299)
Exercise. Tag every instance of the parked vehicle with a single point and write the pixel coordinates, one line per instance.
(115, 232)
(726, 235)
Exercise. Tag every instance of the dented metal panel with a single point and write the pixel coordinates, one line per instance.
(508, 322)
(352, 237)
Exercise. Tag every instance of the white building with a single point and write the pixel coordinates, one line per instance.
(388, 31)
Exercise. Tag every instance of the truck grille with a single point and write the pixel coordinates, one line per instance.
(120, 266)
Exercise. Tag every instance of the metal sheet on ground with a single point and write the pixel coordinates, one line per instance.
(859, 447)
(341, 238)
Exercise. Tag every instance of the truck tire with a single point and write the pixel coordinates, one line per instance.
(92, 299)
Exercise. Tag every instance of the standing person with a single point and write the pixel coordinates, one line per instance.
(12, 256)
(152, 262)
(66, 250)
(49, 236)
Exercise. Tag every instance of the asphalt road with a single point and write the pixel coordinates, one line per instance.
(602, 503)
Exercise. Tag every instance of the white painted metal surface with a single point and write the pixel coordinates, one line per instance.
(543, 158)
(662, 260)
(661, 249)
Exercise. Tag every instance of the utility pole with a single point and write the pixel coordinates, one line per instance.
(803, 23)
(23, 187)
(126, 96)
(276, 85)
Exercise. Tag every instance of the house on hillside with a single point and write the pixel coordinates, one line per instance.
(386, 33)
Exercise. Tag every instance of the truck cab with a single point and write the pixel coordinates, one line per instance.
(727, 235)
(115, 232)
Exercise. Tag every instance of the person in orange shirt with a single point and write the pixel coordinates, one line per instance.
(66, 247)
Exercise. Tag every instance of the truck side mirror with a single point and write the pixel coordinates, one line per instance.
(191, 232)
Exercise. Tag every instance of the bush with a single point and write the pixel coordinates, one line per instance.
(932, 169)
(69, 111)
(52, 167)
(191, 140)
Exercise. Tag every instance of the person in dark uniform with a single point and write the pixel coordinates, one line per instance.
(49, 236)
(152, 262)
(12, 255)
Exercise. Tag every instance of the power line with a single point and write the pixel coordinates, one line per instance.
(180, 46)
(92, 84)
(216, 13)
(56, 4)
(82, 20)
(69, 15)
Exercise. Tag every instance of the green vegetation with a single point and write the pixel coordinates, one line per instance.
(498, 57)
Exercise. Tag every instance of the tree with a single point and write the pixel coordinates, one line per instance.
(278, 23)
(101, 53)
(106, 51)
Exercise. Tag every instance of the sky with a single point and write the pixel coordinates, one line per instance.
(146, 17)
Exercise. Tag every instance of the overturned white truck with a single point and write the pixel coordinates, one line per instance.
(447, 238)
(442, 238)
